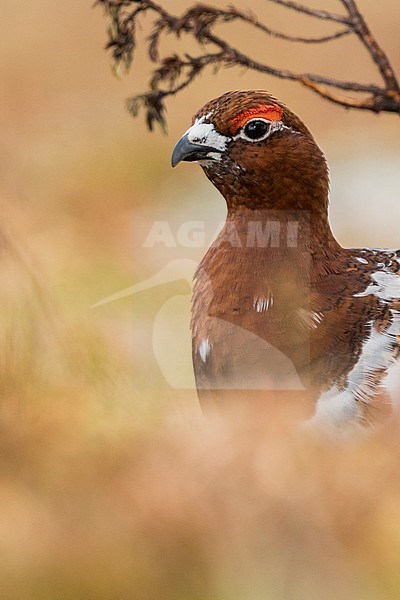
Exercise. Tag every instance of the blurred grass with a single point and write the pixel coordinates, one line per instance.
(109, 509)
(112, 486)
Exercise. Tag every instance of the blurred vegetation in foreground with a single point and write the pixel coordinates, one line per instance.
(110, 490)
(99, 501)
(102, 500)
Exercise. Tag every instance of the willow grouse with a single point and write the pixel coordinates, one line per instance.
(278, 304)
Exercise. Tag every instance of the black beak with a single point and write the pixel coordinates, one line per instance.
(189, 152)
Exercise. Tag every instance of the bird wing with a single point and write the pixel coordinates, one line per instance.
(370, 320)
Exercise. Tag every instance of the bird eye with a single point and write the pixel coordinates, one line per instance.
(256, 129)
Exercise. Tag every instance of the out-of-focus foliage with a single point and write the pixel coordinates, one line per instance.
(95, 506)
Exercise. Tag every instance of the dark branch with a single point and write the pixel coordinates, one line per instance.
(313, 12)
(378, 56)
(233, 14)
(244, 61)
(174, 73)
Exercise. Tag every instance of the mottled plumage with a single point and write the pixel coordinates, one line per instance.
(278, 304)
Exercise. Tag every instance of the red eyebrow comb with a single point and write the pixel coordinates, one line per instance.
(272, 112)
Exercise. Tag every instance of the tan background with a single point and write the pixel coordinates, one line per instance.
(80, 184)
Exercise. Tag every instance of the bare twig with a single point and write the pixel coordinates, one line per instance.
(378, 56)
(244, 61)
(250, 19)
(313, 12)
(174, 73)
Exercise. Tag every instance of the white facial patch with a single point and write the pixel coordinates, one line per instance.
(205, 134)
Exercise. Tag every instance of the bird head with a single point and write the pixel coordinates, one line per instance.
(257, 152)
